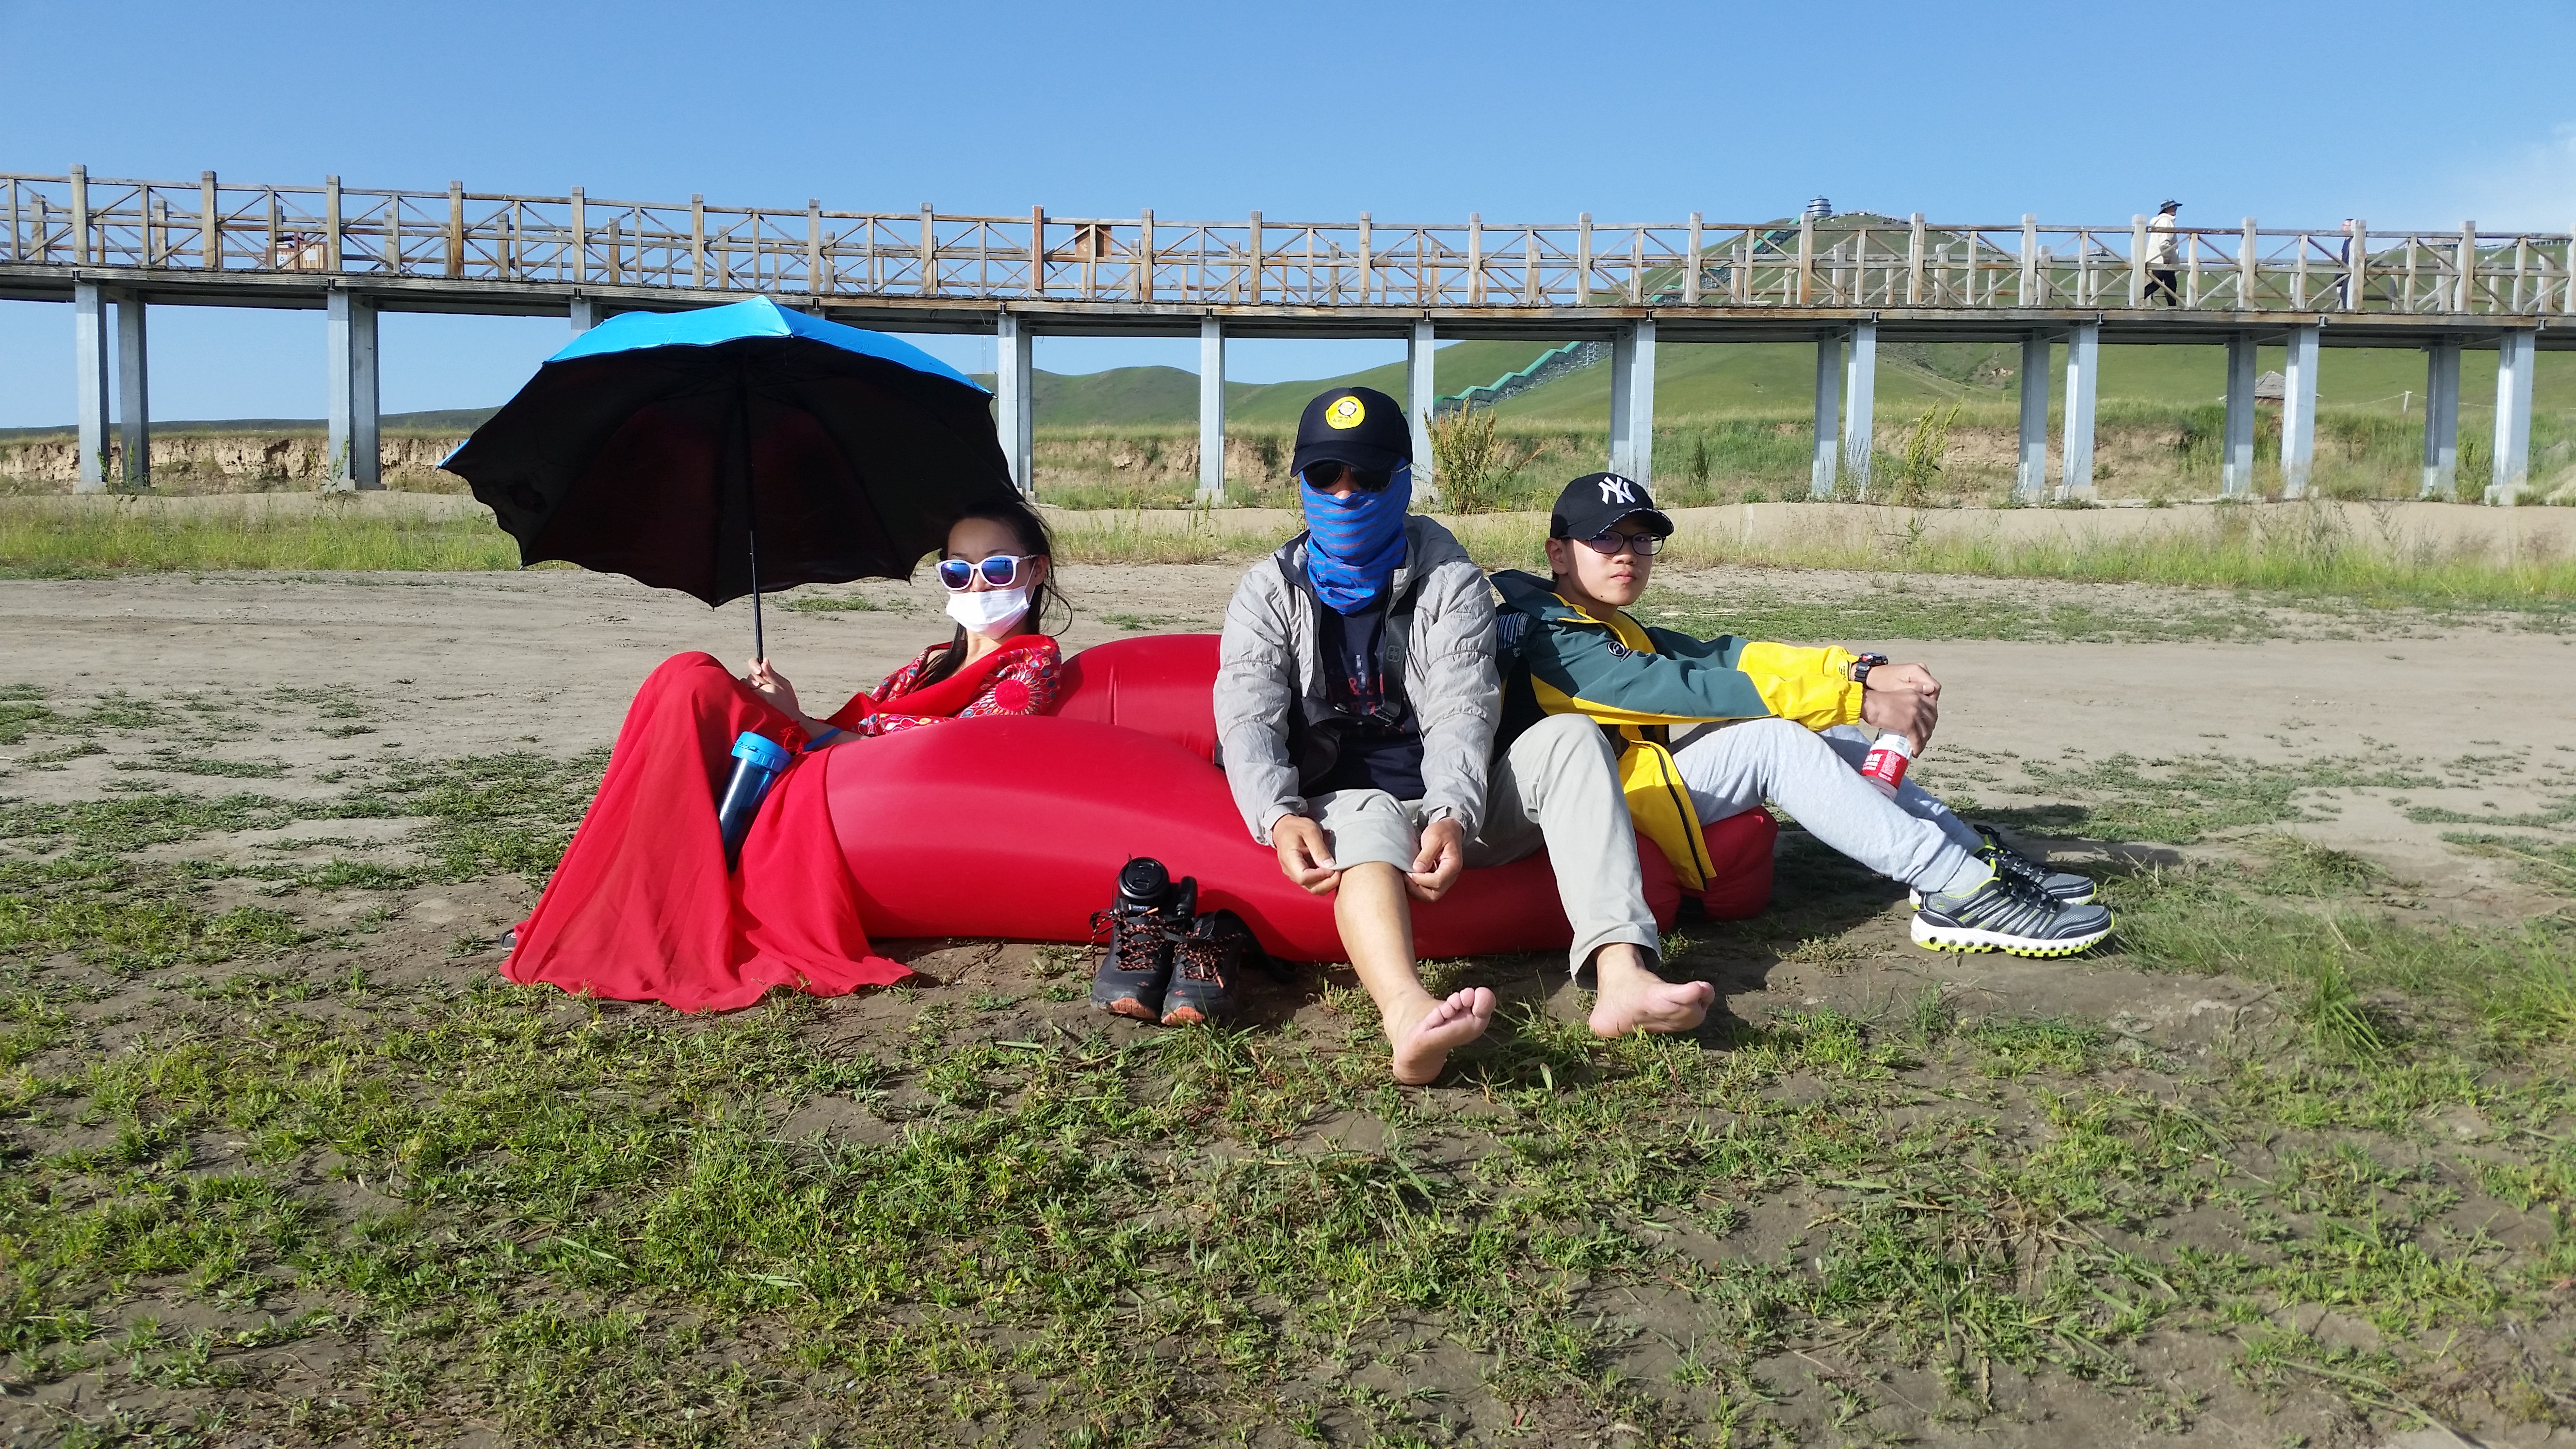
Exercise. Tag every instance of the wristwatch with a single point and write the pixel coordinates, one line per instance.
(1861, 666)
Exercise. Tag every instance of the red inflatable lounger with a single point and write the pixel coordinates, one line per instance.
(1016, 827)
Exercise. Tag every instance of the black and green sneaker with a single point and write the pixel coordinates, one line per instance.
(2062, 886)
(2009, 913)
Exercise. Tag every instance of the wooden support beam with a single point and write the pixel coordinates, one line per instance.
(210, 224)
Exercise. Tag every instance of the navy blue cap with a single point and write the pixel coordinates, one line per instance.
(1593, 502)
(1357, 426)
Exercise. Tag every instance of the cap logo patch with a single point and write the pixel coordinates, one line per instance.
(1345, 413)
(1615, 489)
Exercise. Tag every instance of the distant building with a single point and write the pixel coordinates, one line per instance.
(1818, 210)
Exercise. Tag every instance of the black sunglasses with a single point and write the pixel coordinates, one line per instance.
(1323, 476)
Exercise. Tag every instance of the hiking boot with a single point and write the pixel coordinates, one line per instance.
(1137, 969)
(2008, 913)
(1206, 962)
(2062, 886)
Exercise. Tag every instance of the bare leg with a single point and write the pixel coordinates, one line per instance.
(1633, 998)
(1377, 929)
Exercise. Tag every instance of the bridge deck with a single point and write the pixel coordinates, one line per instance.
(1845, 283)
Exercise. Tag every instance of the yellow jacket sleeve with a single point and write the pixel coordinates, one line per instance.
(1810, 686)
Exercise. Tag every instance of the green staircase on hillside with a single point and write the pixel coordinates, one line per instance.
(1546, 368)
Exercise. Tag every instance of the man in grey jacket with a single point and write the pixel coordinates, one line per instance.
(1356, 699)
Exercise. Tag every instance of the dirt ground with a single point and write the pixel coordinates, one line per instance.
(475, 663)
(444, 666)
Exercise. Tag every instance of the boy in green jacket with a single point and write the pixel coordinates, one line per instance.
(1707, 728)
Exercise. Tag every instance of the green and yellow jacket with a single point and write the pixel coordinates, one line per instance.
(1637, 683)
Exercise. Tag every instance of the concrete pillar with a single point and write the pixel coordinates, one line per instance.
(1860, 394)
(1015, 409)
(1632, 402)
(1421, 399)
(133, 391)
(2299, 412)
(2083, 381)
(2030, 483)
(1211, 410)
(1829, 410)
(89, 375)
(2515, 354)
(2441, 418)
(350, 339)
(585, 314)
(2236, 446)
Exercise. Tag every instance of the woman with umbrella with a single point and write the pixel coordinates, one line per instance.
(702, 451)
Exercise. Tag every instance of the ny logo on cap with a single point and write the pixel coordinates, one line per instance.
(1615, 489)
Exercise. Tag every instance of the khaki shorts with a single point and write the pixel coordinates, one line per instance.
(1365, 825)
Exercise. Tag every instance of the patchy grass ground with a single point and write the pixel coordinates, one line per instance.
(282, 1160)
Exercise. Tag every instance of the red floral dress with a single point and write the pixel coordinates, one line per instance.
(1024, 683)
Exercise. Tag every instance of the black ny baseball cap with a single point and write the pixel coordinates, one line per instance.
(1357, 426)
(1593, 502)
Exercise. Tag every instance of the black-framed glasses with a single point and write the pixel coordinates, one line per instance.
(1610, 543)
(1001, 571)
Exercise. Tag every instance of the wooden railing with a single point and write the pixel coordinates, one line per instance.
(1852, 261)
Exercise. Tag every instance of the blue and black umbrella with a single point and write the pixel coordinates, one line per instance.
(722, 451)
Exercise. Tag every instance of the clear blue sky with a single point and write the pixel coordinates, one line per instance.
(1522, 111)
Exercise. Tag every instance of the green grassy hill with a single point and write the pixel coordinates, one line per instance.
(1168, 397)
(1777, 379)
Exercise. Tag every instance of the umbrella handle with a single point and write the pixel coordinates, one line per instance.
(750, 506)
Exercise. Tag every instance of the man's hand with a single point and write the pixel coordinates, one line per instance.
(1436, 865)
(1303, 856)
(1903, 699)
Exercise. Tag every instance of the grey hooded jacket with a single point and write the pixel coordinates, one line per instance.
(1267, 667)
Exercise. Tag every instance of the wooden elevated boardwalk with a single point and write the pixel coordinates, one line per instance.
(1842, 282)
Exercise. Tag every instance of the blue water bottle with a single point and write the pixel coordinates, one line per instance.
(757, 764)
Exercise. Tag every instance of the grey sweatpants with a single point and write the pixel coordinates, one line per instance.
(1557, 786)
(1816, 778)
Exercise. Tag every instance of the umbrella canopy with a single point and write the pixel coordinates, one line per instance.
(736, 448)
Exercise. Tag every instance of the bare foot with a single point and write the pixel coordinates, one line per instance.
(1423, 1048)
(1651, 1004)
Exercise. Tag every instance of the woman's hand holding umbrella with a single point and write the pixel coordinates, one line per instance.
(772, 686)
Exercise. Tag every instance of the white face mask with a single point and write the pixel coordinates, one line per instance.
(988, 611)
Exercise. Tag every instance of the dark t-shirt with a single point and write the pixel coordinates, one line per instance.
(1374, 755)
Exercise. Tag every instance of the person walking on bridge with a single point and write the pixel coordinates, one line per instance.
(2162, 244)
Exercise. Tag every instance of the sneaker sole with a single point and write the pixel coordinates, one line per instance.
(1129, 1006)
(1183, 1016)
(1969, 939)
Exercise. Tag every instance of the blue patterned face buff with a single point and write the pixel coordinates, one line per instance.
(1354, 545)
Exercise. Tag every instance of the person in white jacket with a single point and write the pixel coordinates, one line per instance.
(2163, 244)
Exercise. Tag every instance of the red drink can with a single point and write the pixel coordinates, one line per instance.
(1885, 765)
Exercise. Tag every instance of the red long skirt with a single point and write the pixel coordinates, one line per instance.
(642, 908)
